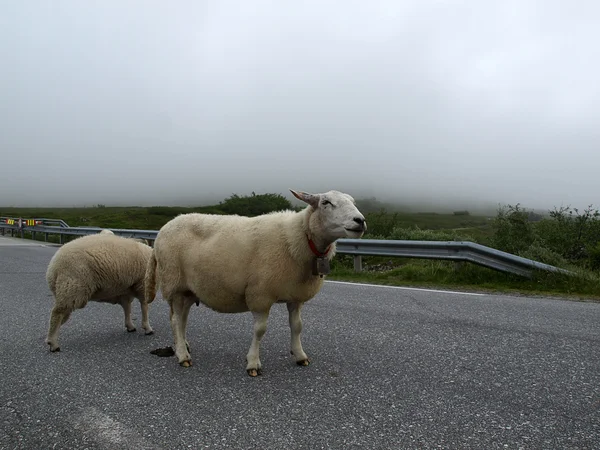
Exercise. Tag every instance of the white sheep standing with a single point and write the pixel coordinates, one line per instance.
(101, 267)
(234, 264)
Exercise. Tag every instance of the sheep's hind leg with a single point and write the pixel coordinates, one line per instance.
(145, 318)
(295, 321)
(186, 311)
(57, 318)
(254, 366)
(180, 307)
(126, 304)
(69, 296)
(144, 306)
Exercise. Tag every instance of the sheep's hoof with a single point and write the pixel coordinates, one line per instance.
(187, 363)
(148, 333)
(303, 362)
(52, 349)
(254, 372)
(130, 330)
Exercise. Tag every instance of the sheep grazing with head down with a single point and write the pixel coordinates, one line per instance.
(101, 267)
(234, 264)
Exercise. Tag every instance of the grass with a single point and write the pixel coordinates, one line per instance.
(436, 274)
(378, 270)
(382, 223)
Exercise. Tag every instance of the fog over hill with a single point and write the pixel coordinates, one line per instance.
(450, 104)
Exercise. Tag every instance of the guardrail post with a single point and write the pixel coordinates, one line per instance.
(45, 237)
(61, 239)
(358, 263)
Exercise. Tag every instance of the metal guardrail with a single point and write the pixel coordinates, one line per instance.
(443, 250)
(58, 222)
(75, 231)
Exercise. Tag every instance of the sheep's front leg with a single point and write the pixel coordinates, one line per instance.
(126, 304)
(295, 320)
(254, 366)
(180, 308)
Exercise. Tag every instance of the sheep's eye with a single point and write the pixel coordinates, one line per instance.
(326, 202)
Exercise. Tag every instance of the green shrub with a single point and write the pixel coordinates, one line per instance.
(254, 205)
(538, 252)
(594, 257)
(571, 234)
(513, 231)
(381, 223)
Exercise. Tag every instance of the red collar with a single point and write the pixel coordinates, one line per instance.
(313, 247)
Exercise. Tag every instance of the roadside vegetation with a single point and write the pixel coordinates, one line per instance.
(564, 237)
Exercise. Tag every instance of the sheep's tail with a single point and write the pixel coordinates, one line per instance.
(150, 279)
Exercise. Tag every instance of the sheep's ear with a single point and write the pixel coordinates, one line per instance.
(311, 199)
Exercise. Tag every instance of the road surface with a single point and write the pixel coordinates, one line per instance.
(391, 368)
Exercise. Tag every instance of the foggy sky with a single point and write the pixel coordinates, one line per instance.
(148, 102)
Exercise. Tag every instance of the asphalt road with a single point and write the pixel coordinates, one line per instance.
(391, 368)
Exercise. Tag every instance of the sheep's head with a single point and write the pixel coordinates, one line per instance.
(336, 212)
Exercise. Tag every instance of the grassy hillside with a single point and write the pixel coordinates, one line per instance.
(565, 238)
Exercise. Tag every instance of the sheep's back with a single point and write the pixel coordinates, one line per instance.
(100, 260)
